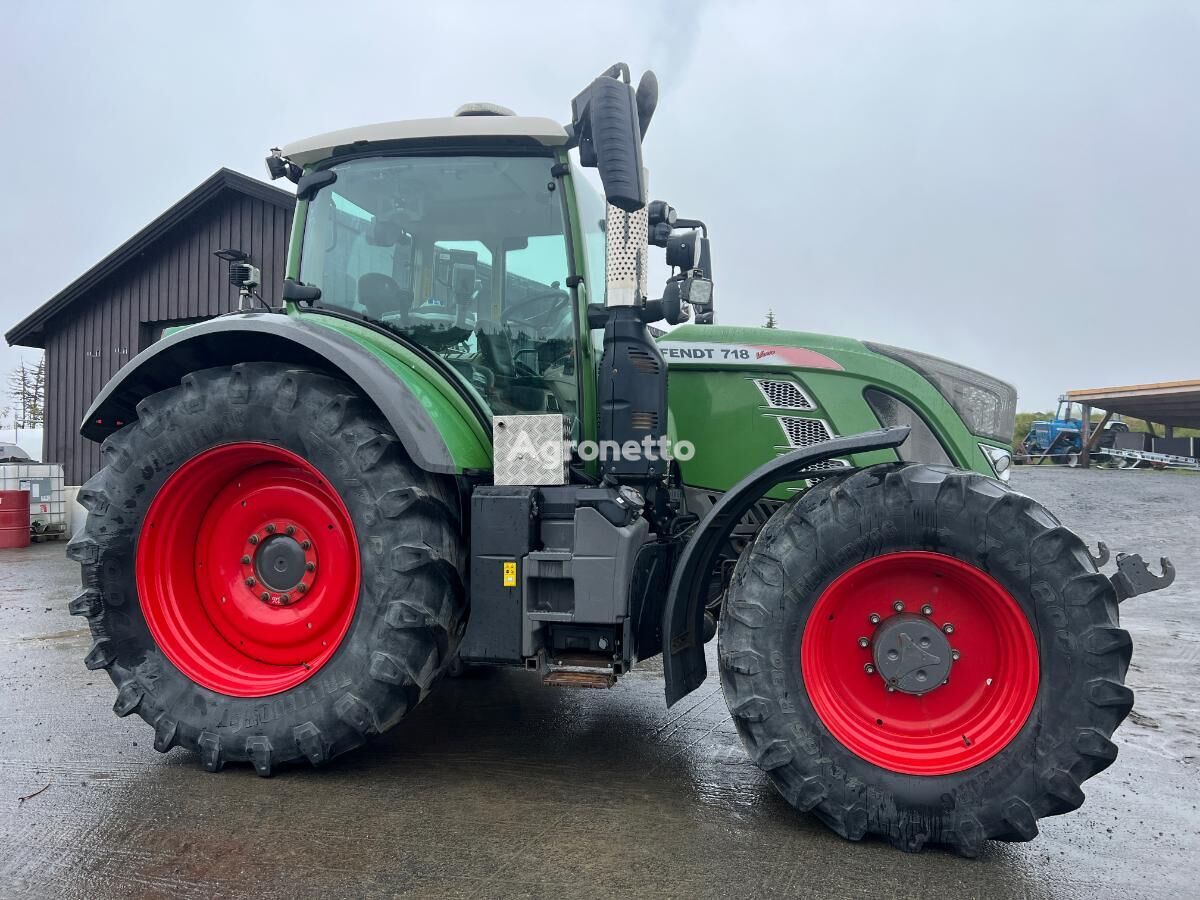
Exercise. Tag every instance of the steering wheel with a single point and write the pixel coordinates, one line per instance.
(561, 300)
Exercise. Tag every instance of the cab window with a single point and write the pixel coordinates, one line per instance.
(465, 255)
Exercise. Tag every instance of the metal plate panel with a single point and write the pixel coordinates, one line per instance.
(530, 449)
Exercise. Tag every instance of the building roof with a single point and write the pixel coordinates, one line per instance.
(1165, 402)
(314, 149)
(30, 331)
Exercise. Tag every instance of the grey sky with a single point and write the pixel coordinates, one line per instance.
(1014, 185)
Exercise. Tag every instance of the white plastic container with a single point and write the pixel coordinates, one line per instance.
(47, 502)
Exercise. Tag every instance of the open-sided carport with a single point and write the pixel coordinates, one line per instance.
(1172, 404)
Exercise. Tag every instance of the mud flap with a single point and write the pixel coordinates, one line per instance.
(683, 613)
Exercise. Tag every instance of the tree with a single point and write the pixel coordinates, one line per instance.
(27, 391)
(770, 323)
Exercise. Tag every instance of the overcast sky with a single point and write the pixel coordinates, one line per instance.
(1015, 186)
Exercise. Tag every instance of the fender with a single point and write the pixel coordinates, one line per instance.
(400, 393)
(683, 614)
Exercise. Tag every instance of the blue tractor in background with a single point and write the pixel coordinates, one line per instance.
(1061, 439)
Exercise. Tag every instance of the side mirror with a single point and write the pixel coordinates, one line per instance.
(607, 129)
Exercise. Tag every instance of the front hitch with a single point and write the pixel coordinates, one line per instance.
(1134, 577)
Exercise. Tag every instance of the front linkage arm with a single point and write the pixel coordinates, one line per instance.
(683, 615)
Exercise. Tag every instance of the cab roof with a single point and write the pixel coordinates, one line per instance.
(545, 131)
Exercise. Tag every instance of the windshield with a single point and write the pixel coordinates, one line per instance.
(465, 255)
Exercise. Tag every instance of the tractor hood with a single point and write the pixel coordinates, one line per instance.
(771, 390)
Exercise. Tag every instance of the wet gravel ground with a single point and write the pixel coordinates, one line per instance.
(498, 787)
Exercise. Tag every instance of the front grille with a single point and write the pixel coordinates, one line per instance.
(783, 394)
(804, 432)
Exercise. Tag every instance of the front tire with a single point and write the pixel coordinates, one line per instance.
(1019, 696)
(266, 576)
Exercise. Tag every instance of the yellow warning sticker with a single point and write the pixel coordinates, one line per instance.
(510, 574)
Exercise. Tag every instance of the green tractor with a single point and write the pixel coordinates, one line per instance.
(458, 442)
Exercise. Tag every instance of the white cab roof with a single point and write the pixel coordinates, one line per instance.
(544, 131)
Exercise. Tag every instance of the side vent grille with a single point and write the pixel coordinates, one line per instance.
(783, 394)
(644, 421)
(643, 361)
(804, 432)
(825, 465)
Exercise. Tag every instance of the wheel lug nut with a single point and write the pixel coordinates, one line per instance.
(948, 628)
(301, 588)
(891, 690)
(250, 582)
(253, 539)
(264, 597)
(898, 606)
(271, 528)
(290, 530)
(285, 598)
(954, 654)
(927, 610)
(245, 560)
(869, 669)
(305, 545)
(311, 567)
(864, 642)
(874, 618)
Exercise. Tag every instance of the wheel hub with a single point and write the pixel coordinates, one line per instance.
(279, 563)
(911, 654)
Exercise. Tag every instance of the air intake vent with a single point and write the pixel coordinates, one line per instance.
(783, 394)
(643, 361)
(804, 432)
(643, 421)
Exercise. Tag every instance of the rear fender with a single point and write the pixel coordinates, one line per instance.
(438, 430)
(683, 615)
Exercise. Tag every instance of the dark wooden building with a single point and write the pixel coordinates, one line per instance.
(164, 275)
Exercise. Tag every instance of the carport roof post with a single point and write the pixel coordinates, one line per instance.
(1173, 404)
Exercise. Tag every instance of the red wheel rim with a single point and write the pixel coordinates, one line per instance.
(232, 526)
(991, 684)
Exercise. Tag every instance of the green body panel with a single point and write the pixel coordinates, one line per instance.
(468, 441)
(714, 403)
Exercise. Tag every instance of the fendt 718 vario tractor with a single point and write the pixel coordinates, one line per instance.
(450, 446)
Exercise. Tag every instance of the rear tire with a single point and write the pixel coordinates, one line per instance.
(1070, 696)
(300, 435)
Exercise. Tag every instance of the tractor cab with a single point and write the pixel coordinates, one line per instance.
(462, 248)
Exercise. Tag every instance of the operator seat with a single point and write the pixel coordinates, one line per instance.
(381, 295)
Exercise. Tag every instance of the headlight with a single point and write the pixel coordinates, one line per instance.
(987, 405)
(999, 458)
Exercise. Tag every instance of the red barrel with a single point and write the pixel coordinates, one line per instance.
(14, 519)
